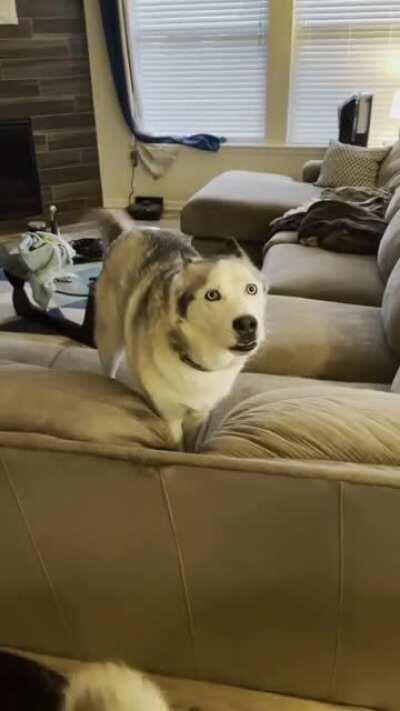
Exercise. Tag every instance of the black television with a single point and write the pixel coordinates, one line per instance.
(19, 179)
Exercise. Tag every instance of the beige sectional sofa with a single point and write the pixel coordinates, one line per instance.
(265, 557)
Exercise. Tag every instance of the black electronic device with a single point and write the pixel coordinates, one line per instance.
(355, 118)
(147, 208)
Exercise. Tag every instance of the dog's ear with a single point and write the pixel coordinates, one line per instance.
(190, 254)
(233, 248)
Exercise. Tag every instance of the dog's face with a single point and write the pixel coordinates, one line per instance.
(221, 305)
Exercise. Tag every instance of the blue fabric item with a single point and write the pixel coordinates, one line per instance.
(112, 31)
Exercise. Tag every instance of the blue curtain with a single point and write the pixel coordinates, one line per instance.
(112, 31)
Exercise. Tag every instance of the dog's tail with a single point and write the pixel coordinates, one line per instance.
(112, 224)
(112, 687)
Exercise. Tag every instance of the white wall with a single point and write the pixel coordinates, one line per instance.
(192, 169)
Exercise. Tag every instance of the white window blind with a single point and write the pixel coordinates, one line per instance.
(343, 46)
(201, 66)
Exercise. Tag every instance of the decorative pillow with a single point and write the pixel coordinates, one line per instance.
(322, 422)
(344, 164)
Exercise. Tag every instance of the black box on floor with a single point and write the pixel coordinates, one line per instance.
(147, 208)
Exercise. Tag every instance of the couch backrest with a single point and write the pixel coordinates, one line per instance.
(389, 247)
(391, 309)
(389, 173)
(394, 205)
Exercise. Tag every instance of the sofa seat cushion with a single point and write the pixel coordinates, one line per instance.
(241, 204)
(324, 340)
(248, 385)
(323, 423)
(314, 273)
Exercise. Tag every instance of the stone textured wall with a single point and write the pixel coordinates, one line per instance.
(44, 74)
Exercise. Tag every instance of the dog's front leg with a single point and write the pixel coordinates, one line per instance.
(173, 415)
(193, 421)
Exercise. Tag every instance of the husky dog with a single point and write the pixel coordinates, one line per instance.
(186, 324)
(26, 685)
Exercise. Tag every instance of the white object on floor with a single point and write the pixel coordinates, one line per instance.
(8, 12)
(45, 256)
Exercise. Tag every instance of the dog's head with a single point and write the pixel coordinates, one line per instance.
(219, 307)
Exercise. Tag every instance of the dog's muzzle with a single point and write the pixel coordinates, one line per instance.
(246, 329)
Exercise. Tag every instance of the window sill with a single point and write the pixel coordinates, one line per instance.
(289, 148)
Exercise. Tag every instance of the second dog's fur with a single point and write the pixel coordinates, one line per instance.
(26, 685)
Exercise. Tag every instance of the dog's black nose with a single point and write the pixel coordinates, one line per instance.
(245, 326)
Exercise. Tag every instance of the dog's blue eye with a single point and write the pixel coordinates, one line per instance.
(251, 289)
(212, 295)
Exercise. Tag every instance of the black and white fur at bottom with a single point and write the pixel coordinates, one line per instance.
(26, 685)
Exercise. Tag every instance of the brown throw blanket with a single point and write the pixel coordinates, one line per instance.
(341, 220)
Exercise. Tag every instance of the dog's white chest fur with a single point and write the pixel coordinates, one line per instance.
(186, 324)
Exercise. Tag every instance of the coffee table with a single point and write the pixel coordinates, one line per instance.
(80, 286)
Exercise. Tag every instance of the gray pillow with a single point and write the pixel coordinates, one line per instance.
(344, 164)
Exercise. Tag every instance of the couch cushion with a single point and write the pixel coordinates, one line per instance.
(393, 206)
(324, 339)
(395, 386)
(32, 348)
(391, 309)
(389, 173)
(248, 385)
(335, 424)
(345, 164)
(241, 204)
(389, 248)
(314, 273)
(77, 406)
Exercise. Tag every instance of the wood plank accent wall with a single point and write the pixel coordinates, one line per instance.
(44, 74)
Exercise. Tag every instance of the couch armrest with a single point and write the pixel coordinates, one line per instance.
(311, 171)
(283, 237)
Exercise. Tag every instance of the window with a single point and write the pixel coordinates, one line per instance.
(340, 47)
(201, 66)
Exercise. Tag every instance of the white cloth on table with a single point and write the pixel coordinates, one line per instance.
(45, 256)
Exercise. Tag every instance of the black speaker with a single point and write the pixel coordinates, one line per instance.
(147, 208)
